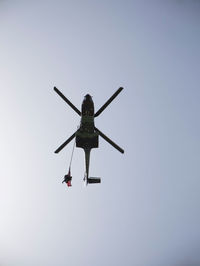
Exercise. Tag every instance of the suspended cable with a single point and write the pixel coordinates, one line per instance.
(72, 154)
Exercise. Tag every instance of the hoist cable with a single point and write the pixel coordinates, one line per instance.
(72, 154)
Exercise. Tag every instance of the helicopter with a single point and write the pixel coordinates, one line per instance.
(87, 135)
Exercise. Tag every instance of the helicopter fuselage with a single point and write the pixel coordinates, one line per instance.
(86, 136)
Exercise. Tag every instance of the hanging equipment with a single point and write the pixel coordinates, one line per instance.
(68, 177)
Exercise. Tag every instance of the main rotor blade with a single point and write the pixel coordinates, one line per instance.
(65, 143)
(109, 141)
(67, 101)
(108, 102)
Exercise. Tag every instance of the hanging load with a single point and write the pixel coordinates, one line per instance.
(68, 179)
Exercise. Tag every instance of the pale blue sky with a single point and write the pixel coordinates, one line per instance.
(146, 210)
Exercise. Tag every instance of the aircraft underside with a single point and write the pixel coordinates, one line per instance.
(87, 141)
(87, 136)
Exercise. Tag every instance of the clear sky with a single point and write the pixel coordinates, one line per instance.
(146, 210)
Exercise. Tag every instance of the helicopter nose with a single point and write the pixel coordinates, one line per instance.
(88, 97)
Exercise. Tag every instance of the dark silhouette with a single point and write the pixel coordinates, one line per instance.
(87, 136)
(67, 179)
